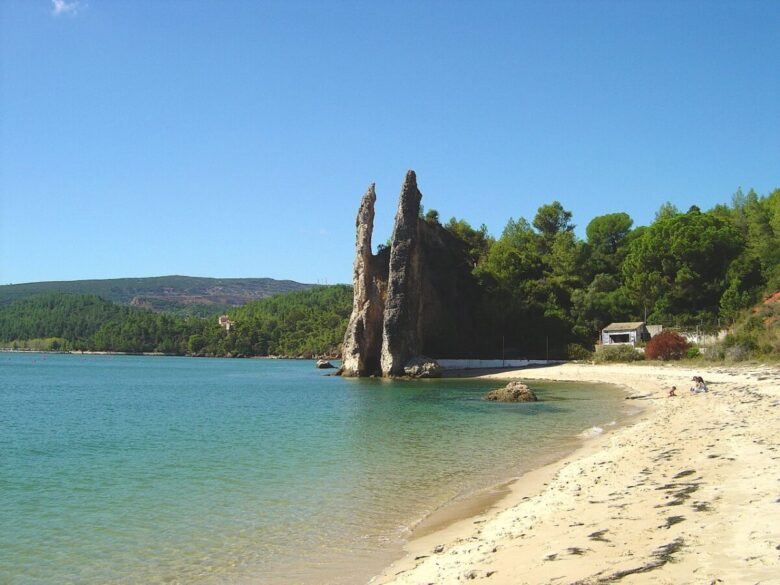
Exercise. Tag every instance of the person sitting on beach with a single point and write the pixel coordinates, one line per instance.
(700, 386)
(672, 391)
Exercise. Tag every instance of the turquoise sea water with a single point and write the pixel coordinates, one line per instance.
(142, 470)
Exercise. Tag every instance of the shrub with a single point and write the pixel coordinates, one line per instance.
(617, 353)
(667, 345)
(737, 353)
(577, 352)
(693, 352)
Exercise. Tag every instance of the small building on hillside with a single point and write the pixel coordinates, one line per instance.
(622, 333)
(225, 322)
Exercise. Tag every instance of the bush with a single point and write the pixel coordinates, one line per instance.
(744, 339)
(575, 351)
(617, 353)
(667, 345)
(737, 353)
(693, 352)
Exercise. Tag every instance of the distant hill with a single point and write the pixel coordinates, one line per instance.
(300, 323)
(182, 295)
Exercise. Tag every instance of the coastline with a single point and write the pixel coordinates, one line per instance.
(159, 354)
(686, 493)
(479, 503)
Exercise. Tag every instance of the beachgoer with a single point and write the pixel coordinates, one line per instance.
(700, 386)
(672, 391)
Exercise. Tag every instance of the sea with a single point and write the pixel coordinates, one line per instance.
(165, 470)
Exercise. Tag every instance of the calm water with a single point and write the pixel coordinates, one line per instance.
(141, 470)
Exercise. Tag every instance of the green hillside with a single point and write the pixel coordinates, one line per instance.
(56, 315)
(181, 295)
(304, 322)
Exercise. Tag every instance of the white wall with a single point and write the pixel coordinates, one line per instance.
(481, 364)
(703, 338)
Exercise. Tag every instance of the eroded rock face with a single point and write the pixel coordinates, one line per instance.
(417, 296)
(400, 328)
(363, 338)
(512, 392)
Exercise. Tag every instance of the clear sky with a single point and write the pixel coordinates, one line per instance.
(232, 138)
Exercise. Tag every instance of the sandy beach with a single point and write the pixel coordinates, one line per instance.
(688, 493)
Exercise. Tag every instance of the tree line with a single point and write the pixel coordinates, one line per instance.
(543, 290)
(547, 292)
(307, 322)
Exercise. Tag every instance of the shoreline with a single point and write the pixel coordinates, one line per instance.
(157, 354)
(661, 499)
(482, 501)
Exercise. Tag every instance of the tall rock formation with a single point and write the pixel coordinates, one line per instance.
(401, 326)
(363, 339)
(416, 297)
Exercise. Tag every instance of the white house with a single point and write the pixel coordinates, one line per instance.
(620, 333)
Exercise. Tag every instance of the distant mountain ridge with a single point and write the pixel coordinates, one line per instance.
(170, 294)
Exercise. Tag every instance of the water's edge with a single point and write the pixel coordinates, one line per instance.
(111, 457)
(472, 508)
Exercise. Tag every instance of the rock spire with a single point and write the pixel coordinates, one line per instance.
(400, 328)
(415, 297)
(363, 338)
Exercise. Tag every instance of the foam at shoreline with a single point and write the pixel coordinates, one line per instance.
(591, 433)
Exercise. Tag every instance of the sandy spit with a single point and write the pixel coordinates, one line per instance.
(690, 493)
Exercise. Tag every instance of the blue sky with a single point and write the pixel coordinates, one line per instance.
(236, 138)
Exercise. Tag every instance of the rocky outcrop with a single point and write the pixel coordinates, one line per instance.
(363, 338)
(400, 328)
(422, 367)
(512, 392)
(323, 365)
(416, 296)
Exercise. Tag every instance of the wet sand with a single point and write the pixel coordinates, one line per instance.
(689, 493)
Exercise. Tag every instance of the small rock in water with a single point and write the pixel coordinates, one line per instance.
(324, 364)
(422, 367)
(512, 392)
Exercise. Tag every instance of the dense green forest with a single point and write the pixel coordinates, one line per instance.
(543, 291)
(302, 323)
(308, 322)
(688, 269)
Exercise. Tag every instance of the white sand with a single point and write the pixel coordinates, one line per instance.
(690, 493)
